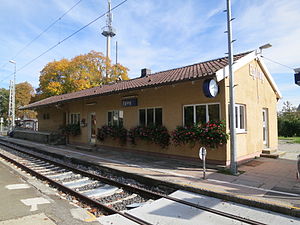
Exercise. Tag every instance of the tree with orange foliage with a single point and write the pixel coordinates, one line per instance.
(81, 72)
(24, 93)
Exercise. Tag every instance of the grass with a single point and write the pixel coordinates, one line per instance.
(290, 139)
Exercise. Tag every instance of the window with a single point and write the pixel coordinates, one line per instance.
(150, 116)
(74, 118)
(240, 118)
(194, 114)
(46, 116)
(115, 118)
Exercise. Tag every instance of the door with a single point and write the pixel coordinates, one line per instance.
(92, 128)
(265, 128)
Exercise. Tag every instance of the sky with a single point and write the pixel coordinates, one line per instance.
(155, 34)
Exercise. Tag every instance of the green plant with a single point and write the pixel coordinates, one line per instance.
(71, 129)
(289, 124)
(116, 132)
(153, 133)
(211, 134)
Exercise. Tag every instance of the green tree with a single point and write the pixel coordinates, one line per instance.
(288, 121)
(4, 98)
(81, 72)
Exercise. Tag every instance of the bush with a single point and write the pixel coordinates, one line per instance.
(211, 134)
(154, 133)
(116, 132)
(71, 129)
(289, 124)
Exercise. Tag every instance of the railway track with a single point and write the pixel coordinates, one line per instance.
(104, 194)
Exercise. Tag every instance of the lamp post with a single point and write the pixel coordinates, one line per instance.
(13, 97)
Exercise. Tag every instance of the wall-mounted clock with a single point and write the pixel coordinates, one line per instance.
(210, 88)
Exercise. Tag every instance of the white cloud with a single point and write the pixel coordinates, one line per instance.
(153, 33)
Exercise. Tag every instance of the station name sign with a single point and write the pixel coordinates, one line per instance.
(297, 76)
(256, 73)
(127, 102)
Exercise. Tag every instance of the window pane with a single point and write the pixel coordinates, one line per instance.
(188, 115)
(242, 117)
(150, 118)
(109, 118)
(236, 117)
(121, 118)
(158, 116)
(115, 118)
(142, 115)
(214, 112)
(201, 114)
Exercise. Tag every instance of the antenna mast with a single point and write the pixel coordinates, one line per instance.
(108, 31)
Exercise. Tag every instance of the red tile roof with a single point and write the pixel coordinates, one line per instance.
(191, 72)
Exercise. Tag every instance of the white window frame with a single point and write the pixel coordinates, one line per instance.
(206, 111)
(77, 117)
(154, 119)
(112, 111)
(238, 128)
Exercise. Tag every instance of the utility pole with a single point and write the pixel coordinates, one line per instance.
(108, 32)
(233, 147)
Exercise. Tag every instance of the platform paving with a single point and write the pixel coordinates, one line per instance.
(165, 211)
(266, 183)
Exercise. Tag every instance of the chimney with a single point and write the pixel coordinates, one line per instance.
(145, 72)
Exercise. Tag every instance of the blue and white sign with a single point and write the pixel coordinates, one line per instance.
(297, 76)
(129, 102)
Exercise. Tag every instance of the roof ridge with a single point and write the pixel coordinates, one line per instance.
(194, 71)
(181, 67)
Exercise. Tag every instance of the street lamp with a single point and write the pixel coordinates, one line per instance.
(12, 98)
(265, 46)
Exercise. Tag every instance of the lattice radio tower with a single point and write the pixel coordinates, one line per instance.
(11, 105)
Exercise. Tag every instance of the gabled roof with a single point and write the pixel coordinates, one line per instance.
(224, 72)
(191, 72)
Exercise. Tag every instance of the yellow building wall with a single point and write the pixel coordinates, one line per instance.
(256, 94)
(171, 98)
(55, 121)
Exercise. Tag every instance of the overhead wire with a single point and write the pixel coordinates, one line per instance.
(66, 38)
(271, 60)
(51, 25)
(40, 34)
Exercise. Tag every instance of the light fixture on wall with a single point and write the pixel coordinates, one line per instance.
(129, 96)
(91, 103)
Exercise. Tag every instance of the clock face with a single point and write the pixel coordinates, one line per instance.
(210, 88)
(213, 88)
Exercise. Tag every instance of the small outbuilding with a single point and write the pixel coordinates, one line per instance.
(185, 96)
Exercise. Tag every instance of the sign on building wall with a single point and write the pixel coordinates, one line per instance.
(297, 76)
(255, 72)
(129, 102)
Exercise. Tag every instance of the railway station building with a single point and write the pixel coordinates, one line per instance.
(191, 94)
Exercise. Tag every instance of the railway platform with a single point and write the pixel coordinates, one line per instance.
(264, 183)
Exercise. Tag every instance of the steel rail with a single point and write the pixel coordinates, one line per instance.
(82, 197)
(142, 190)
